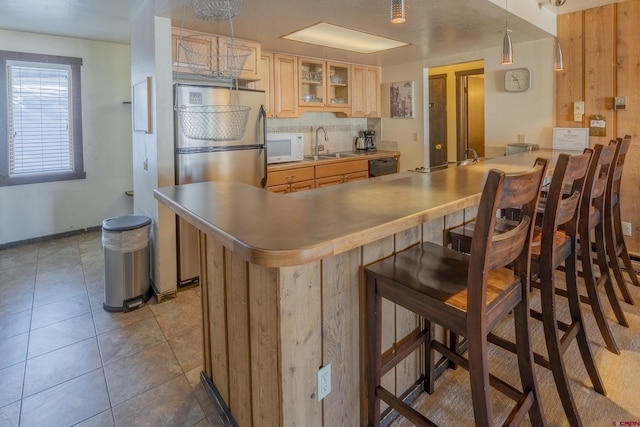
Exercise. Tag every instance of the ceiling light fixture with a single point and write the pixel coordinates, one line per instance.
(558, 63)
(507, 47)
(329, 35)
(398, 12)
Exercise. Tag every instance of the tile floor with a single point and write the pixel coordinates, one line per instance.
(64, 361)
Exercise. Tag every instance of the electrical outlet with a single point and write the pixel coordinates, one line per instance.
(626, 228)
(324, 381)
(415, 136)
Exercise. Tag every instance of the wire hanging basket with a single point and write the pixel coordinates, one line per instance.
(213, 10)
(214, 122)
(201, 60)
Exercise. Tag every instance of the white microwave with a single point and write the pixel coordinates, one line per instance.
(285, 147)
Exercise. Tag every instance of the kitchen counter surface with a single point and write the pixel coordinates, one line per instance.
(283, 230)
(335, 157)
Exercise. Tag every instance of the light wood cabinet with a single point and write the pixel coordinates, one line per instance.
(290, 180)
(365, 91)
(341, 172)
(301, 178)
(285, 85)
(210, 55)
(323, 85)
(230, 49)
(265, 83)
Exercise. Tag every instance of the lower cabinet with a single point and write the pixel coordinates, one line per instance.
(308, 177)
(290, 180)
(341, 172)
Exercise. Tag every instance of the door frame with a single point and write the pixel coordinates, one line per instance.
(462, 110)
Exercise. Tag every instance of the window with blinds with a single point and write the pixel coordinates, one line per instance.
(43, 119)
(40, 135)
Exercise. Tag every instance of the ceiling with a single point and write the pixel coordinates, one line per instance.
(434, 28)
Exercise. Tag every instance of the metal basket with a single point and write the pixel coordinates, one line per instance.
(201, 60)
(214, 10)
(214, 122)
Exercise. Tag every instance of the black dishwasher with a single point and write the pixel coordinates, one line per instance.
(384, 166)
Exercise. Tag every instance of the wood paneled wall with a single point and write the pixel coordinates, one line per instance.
(601, 49)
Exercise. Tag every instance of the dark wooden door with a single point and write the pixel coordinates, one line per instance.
(437, 119)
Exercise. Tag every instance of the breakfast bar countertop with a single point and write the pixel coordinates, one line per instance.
(277, 230)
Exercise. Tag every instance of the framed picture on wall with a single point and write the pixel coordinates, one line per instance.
(142, 106)
(401, 100)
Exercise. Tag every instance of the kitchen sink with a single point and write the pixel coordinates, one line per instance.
(333, 156)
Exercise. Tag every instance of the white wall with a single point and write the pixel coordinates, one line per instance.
(151, 57)
(530, 113)
(35, 210)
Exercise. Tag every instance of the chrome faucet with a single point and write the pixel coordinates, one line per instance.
(473, 153)
(315, 148)
(468, 161)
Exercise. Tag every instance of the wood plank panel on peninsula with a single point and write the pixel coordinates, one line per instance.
(282, 283)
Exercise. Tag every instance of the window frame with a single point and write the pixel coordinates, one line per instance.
(76, 117)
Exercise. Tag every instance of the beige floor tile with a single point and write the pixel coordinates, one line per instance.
(188, 348)
(58, 311)
(26, 255)
(106, 321)
(129, 339)
(142, 371)
(103, 419)
(174, 404)
(68, 403)
(61, 334)
(14, 324)
(61, 365)
(13, 350)
(11, 384)
(10, 415)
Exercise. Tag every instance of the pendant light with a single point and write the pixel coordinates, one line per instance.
(507, 46)
(398, 12)
(558, 63)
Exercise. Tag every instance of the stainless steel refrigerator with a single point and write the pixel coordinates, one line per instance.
(219, 135)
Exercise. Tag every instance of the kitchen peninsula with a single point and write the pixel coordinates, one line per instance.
(282, 282)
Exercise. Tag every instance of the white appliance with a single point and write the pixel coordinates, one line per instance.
(285, 147)
(212, 145)
(520, 147)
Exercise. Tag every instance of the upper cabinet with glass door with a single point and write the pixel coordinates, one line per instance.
(324, 85)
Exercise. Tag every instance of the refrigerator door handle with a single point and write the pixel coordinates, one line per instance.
(263, 116)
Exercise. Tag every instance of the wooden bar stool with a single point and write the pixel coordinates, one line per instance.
(614, 239)
(591, 226)
(554, 244)
(466, 294)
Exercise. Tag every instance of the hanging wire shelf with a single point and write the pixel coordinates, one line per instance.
(200, 59)
(214, 122)
(214, 10)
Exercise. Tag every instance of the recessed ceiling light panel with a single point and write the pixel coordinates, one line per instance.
(329, 35)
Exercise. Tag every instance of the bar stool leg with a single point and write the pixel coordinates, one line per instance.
(479, 377)
(592, 291)
(374, 325)
(576, 316)
(525, 360)
(603, 265)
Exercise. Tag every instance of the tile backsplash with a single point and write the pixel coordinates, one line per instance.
(341, 132)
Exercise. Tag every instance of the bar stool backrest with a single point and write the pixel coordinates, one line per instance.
(562, 209)
(491, 249)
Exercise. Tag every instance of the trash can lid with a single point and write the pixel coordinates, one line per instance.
(124, 223)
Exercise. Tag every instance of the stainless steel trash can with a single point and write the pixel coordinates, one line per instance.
(125, 240)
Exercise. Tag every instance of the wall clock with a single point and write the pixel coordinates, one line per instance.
(517, 80)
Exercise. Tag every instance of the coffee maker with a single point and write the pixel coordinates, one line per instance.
(369, 139)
